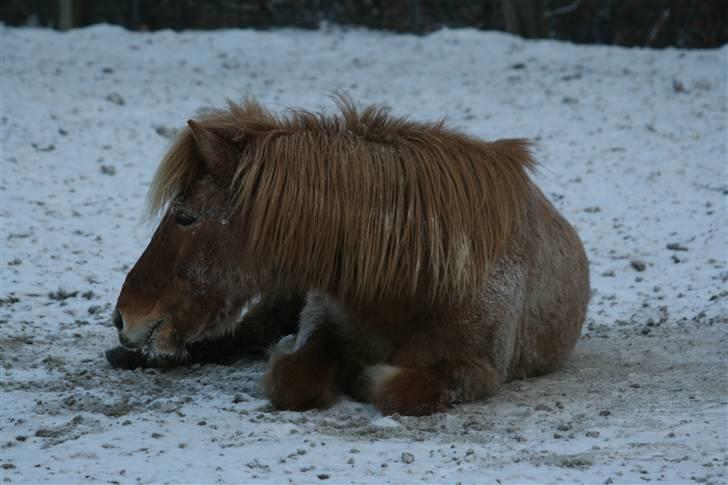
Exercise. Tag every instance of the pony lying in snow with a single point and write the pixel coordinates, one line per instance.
(434, 269)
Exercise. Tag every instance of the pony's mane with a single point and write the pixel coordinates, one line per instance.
(360, 203)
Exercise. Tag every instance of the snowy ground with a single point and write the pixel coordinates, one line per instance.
(633, 145)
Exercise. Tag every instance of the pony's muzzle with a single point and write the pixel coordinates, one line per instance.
(136, 333)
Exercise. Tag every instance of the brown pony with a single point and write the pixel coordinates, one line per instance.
(434, 268)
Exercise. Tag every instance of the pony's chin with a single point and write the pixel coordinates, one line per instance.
(164, 350)
(164, 342)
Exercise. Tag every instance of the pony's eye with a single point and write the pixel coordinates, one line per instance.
(184, 219)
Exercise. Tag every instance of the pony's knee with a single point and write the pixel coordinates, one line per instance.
(427, 390)
(411, 392)
(375, 377)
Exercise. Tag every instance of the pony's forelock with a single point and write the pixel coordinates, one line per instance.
(176, 170)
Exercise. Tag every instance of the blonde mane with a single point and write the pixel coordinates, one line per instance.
(360, 203)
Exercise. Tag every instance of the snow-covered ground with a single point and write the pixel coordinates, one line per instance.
(633, 146)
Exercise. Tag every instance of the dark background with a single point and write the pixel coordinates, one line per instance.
(650, 23)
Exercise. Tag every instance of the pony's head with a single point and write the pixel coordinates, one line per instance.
(367, 207)
(187, 285)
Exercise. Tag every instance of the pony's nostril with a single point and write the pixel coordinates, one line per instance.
(118, 321)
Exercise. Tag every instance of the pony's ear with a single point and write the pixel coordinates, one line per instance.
(212, 146)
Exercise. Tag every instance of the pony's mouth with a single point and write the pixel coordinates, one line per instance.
(163, 339)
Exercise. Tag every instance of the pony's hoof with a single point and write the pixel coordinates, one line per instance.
(296, 382)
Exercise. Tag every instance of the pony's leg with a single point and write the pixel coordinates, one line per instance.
(302, 372)
(301, 378)
(423, 390)
(462, 354)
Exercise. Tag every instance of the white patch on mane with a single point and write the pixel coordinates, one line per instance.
(462, 262)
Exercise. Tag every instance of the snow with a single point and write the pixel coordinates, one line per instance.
(633, 150)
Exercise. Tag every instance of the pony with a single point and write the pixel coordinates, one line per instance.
(433, 268)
